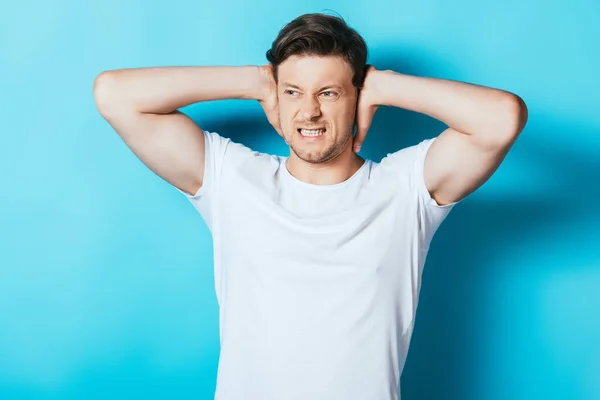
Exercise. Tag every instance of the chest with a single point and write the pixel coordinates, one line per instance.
(311, 238)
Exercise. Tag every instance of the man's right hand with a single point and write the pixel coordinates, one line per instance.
(269, 99)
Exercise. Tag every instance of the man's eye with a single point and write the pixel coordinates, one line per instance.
(289, 91)
(329, 94)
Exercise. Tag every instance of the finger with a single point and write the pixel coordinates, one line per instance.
(362, 123)
(277, 127)
(357, 144)
(274, 120)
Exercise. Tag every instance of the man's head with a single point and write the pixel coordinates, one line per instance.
(319, 64)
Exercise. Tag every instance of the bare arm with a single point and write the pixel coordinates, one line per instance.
(483, 123)
(142, 106)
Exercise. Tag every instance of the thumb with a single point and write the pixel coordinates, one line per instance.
(362, 125)
(357, 143)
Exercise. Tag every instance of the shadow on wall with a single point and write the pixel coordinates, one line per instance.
(450, 327)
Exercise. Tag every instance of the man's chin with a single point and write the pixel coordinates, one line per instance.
(307, 156)
(314, 157)
(317, 153)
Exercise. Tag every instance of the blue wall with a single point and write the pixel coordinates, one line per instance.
(106, 281)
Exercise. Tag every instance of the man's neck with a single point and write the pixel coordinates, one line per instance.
(331, 172)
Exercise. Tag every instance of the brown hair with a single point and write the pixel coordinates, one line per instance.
(320, 35)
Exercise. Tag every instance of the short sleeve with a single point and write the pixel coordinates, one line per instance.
(431, 214)
(215, 148)
(407, 167)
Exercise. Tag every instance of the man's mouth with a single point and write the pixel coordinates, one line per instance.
(312, 132)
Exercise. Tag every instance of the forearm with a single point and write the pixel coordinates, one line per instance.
(162, 90)
(489, 113)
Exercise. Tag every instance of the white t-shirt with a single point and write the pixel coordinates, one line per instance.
(317, 285)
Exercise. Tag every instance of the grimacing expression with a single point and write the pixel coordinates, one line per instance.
(316, 92)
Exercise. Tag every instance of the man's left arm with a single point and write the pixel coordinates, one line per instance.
(483, 123)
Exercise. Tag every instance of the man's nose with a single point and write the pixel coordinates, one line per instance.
(311, 108)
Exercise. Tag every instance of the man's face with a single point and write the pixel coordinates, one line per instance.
(316, 93)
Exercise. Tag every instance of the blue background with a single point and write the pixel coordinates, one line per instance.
(106, 279)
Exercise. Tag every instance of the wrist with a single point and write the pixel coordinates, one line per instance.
(379, 81)
(263, 82)
(250, 82)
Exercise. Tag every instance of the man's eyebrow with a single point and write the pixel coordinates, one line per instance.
(333, 86)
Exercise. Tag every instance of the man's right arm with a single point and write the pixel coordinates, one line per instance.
(142, 107)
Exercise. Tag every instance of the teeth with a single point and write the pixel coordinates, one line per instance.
(311, 132)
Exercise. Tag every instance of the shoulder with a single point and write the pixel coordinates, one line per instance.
(232, 152)
(403, 163)
(240, 160)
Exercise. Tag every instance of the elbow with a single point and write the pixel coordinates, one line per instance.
(517, 115)
(512, 118)
(520, 114)
(104, 92)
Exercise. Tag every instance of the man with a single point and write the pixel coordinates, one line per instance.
(318, 256)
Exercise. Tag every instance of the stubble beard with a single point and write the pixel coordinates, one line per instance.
(323, 156)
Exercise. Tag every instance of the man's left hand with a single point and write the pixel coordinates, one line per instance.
(366, 107)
